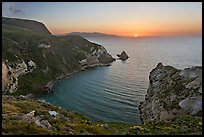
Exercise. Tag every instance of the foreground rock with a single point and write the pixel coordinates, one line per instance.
(123, 56)
(11, 72)
(172, 93)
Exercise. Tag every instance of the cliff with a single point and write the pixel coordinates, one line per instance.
(31, 59)
(172, 93)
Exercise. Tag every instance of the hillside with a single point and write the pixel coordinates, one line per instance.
(28, 24)
(31, 59)
(23, 116)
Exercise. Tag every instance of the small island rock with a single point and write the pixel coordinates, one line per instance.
(123, 56)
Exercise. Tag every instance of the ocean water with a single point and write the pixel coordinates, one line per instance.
(113, 93)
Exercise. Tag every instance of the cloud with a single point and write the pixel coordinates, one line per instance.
(12, 8)
(15, 10)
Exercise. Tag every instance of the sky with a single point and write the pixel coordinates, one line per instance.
(119, 18)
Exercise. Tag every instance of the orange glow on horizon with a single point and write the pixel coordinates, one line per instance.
(142, 30)
(141, 18)
(132, 34)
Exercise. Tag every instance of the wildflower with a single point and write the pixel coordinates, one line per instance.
(141, 129)
(167, 128)
(200, 123)
(100, 125)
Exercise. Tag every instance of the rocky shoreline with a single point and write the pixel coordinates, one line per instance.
(49, 86)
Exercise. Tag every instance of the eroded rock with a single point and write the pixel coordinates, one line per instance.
(45, 124)
(11, 72)
(172, 93)
(191, 104)
(53, 113)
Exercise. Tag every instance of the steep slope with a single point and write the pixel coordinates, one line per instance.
(172, 93)
(33, 59)
(28, 24)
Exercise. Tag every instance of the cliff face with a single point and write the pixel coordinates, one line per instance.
(11, 72)
(28, 24)
(172, 93)
(31, 59)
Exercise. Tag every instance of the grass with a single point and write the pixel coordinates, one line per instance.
(15, 127)
(78, 124)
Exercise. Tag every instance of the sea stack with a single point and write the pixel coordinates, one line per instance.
(123, 56)
(172, 93)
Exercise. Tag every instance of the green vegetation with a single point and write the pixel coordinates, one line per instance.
(62, 57)
(14, 107)
(28, 24)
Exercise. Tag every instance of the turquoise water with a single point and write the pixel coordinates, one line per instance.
(113, 93)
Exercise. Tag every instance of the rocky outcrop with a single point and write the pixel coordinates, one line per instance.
(5, 76)
(102, 55)
(172, 93)
(123, 56)
(44, 46)
(106, 58)
(192, 105)
(53, 113)
(11, 71)
(97, 57)
(38, 120)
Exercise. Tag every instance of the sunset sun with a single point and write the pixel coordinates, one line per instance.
(136, 35)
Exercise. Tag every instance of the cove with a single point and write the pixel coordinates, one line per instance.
(101, 94)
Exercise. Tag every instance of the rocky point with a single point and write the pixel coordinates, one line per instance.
(172, 93)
